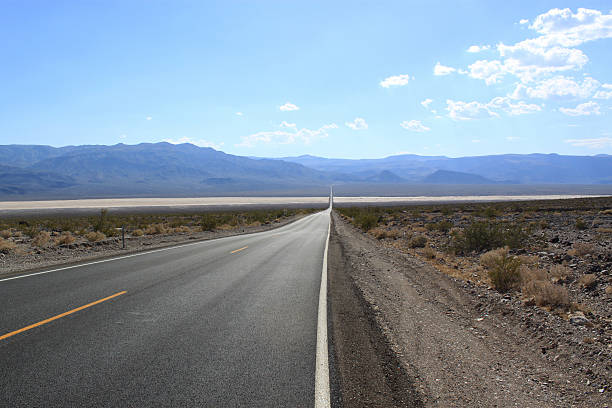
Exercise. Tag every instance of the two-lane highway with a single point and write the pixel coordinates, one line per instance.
(226, 322)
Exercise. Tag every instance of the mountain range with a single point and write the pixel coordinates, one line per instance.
(163, 169)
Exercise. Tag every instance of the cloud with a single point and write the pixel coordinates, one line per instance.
(478, 48)
(414, 126)
(523, 21)
(357, 124)
(239, 114)
(426, 103)
(149, 117)
(200, 142)
(596, 143)
(565, 28)
(440, 70)
(459, 110)
(288, 134)
(559, 86)
(584, 109)
(604, 94)
(288, 107)
(489, 71)
(396, 80)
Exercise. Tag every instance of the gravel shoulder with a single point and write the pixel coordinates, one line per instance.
(65, 255)
(450, 342)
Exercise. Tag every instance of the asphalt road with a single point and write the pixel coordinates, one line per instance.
(227, 322)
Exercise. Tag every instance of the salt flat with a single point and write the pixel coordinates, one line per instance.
(260, 201)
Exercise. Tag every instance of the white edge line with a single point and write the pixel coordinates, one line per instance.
(142, 253)
(322, 393)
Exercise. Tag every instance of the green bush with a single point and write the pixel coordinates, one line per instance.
(581, 224)
(366, 221)
(417, 242)
(486, 235)
(503, 269)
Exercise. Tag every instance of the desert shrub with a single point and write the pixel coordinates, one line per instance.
(581, 249)
(559, 272)
(95, 236)
(6, 246)
(429, 252)
(442, 226)
(381, 233)
(486, 235)
(606, 212)
(529, 274)
(588, 281)
(581, 224)
(137, 233)
(546, 293)
(418, 241)
(155, 229)
(101, 223)
(6, 234)
(531, 260)
(490, 212)
(503, 269)
(366, 221)
(41, 239)
(208, 223)
(65, 239)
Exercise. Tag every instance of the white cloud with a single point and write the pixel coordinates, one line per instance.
(596, 143)
(489, 71)
(584, 109)
(288, 107)
(459, 110)
(396, 80)
(122, 136)
(200, 142)
(604, 94)
(414, 126)
(568, 29)
(512, 138)
(476, 140)
(559, 87)
(523, 21)
(441, 70)
(478, 48)
(357, 124)
(426, 103)
(149, 117)
(287, 135)
(239, 113)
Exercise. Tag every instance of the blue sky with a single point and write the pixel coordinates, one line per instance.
(352, 79)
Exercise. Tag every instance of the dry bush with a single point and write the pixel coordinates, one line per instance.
(581, 249)
(608, 290)
(95, 236)
(606, 212)
(530, 260)
(381, 233)
(65, 239)
(559, 272)
(41, 239)
(137, 233)
(181, 229)
(156, 229)
(6, 246)
(588, 281)
(530, 274)
(604, 230)
(546, 293)
(418, 241)
(6, 234)
(503, 269)
(429, 252)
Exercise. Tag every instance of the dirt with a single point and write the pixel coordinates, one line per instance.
(451, 342)
(27, 257)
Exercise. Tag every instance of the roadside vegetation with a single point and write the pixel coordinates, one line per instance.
(24, 234)
(554, 254)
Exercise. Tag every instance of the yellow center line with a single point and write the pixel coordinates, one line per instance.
(59, 316)
(239, 249)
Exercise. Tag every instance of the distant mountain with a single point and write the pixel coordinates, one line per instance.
(455, 177)
(163, 169)
(521, 169)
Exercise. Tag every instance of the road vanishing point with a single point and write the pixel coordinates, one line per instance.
(226, 322)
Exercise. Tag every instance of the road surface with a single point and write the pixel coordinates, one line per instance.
(227, 322)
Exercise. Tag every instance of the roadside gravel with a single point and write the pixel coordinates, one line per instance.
(463, 345)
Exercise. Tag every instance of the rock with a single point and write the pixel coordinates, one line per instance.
(554, 239)
(578, 319)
